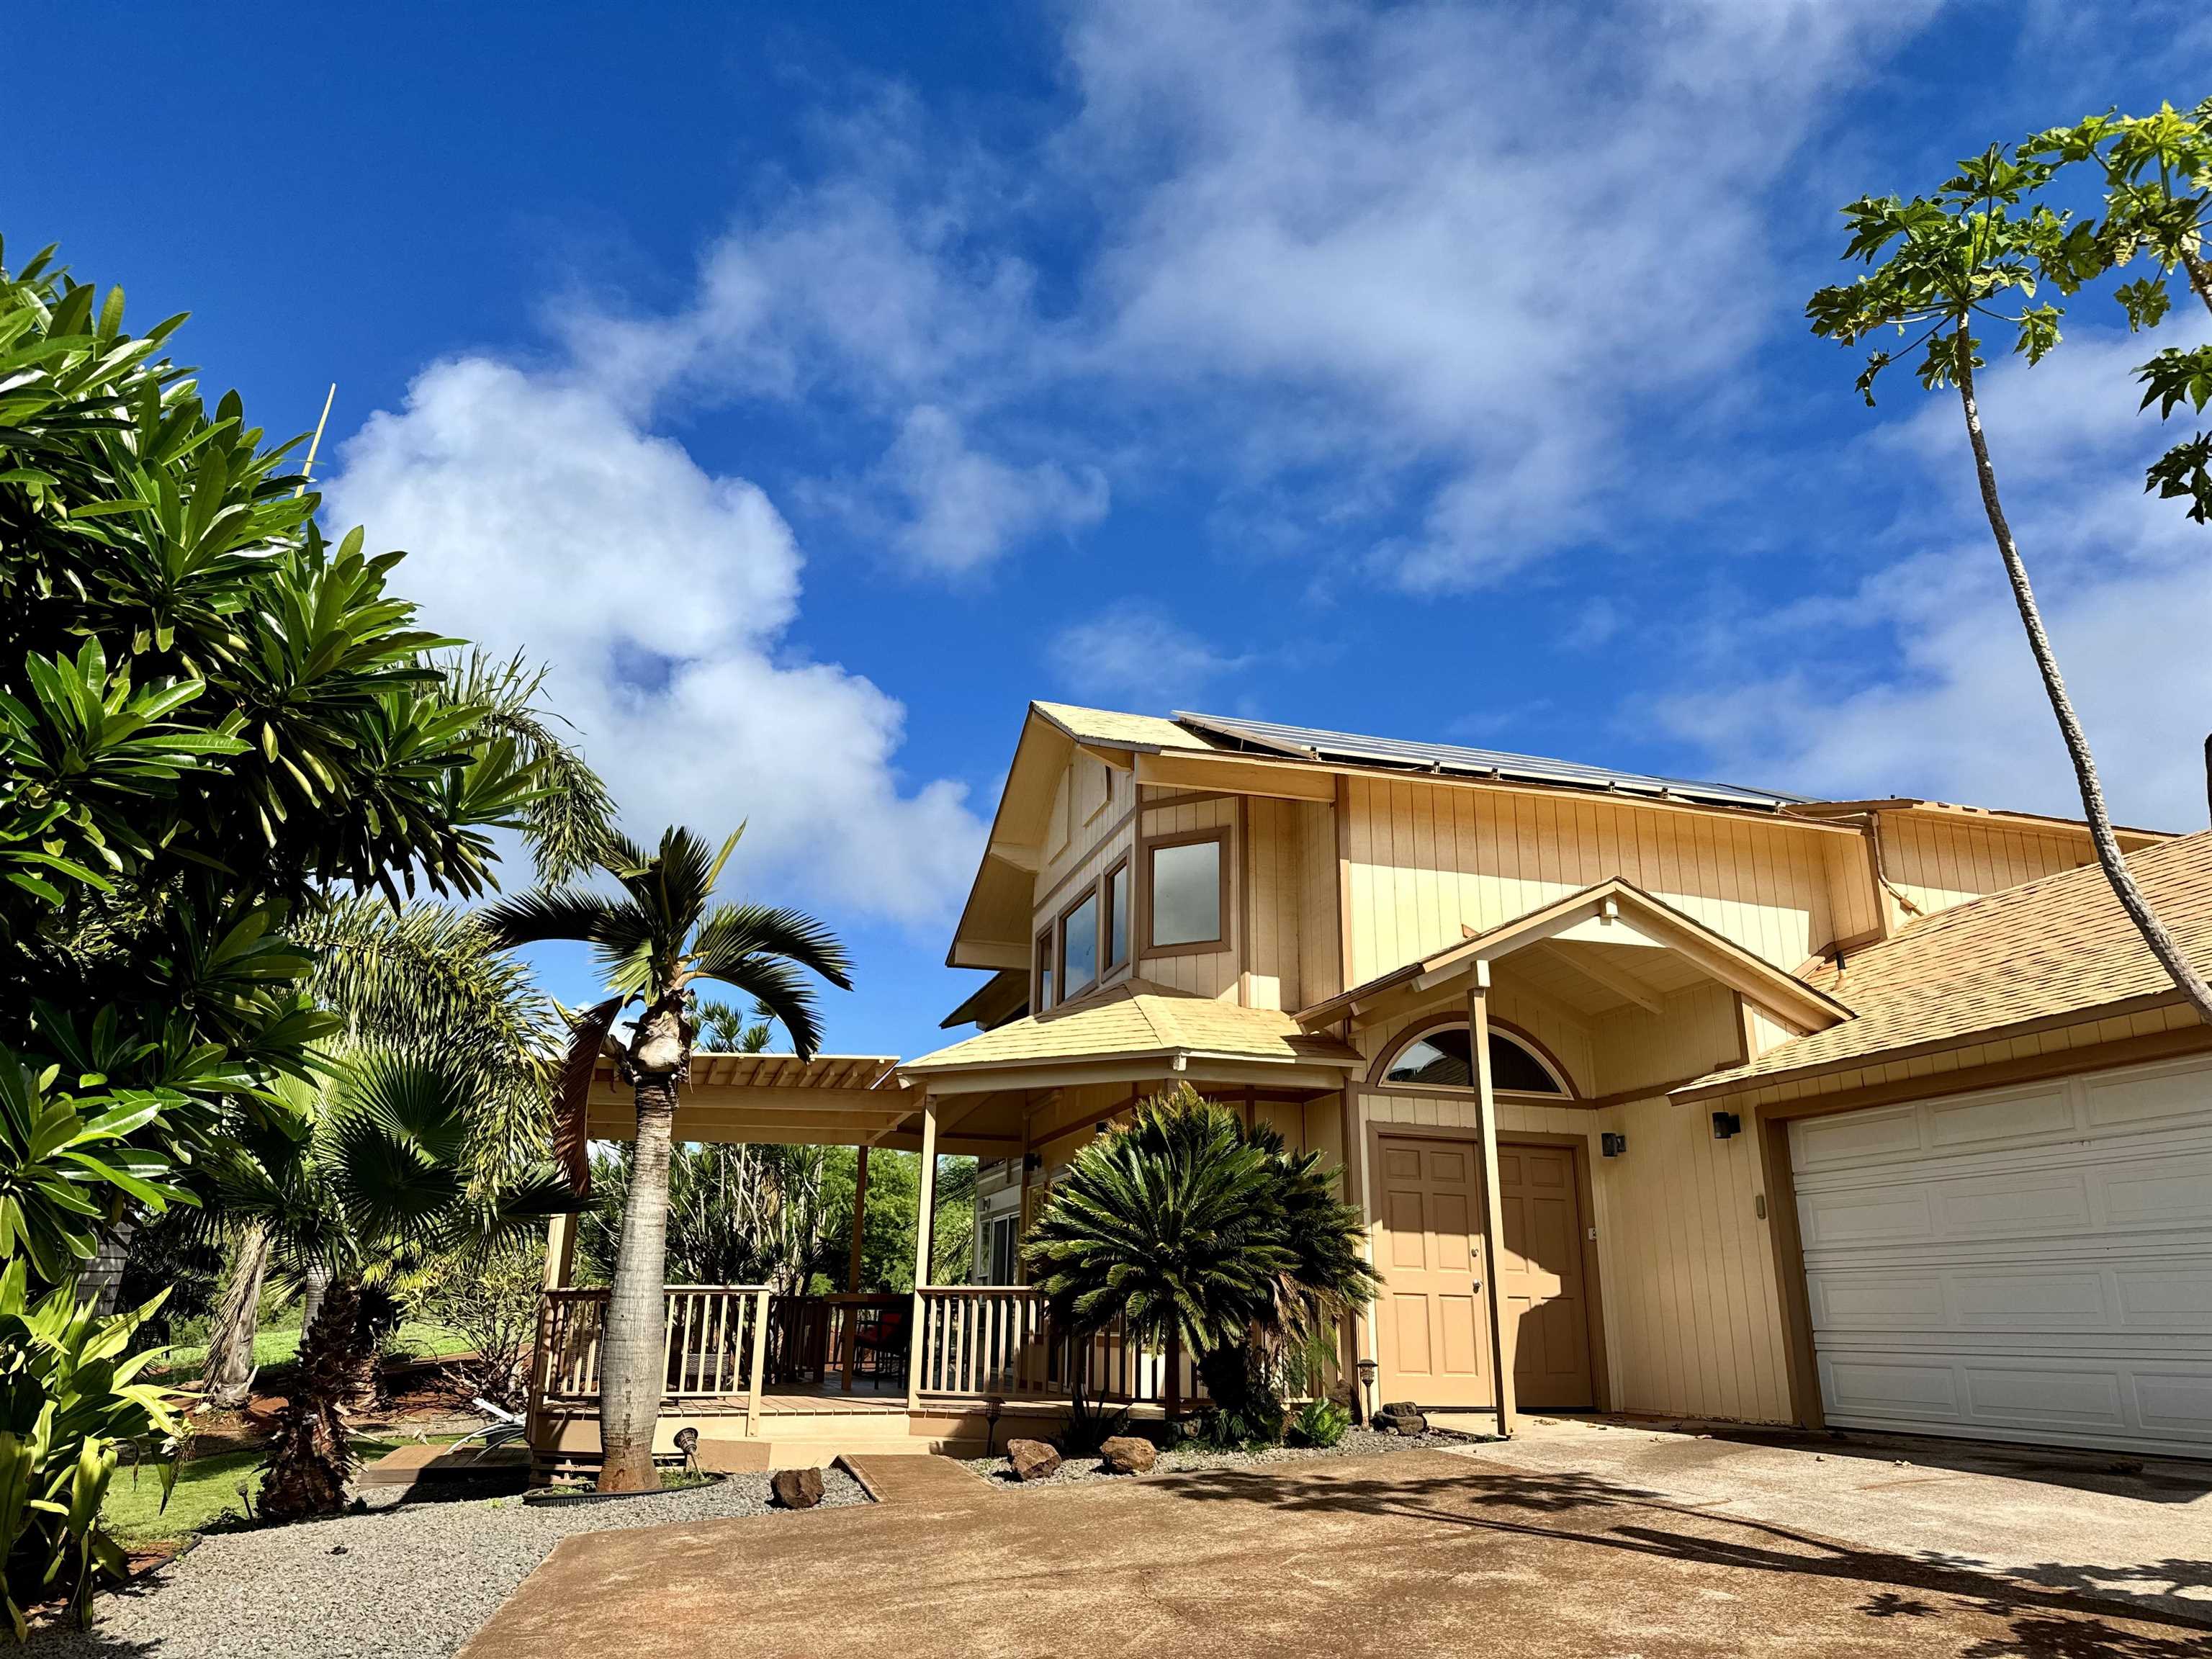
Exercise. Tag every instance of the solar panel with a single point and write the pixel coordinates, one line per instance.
(1310, 743)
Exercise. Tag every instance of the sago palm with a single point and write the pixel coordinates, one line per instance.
(1185, 1225)
(661, 936)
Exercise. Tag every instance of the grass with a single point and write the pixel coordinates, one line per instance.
(279, 1344)
(206, 1495)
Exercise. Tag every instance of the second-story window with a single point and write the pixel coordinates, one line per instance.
(1187, 900)
(1079, 946)
(1117, 915)
(1044, 970)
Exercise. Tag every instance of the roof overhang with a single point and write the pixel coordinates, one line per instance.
(1606, 917)
(833, 1100)
(1318, 1073)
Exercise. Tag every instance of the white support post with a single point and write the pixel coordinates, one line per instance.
(925, 1217)
(1493, 1207)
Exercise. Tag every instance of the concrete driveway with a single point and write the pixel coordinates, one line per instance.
(2136, 1530)
(1413, 1554)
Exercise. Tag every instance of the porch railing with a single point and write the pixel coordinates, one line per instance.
(997, 1341)
(711, 1346)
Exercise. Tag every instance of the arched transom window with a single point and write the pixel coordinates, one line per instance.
(1442, 1057)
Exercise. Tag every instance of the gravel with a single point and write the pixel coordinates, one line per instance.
(414, 1577)
(1183, 1460)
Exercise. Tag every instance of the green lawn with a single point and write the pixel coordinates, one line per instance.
(279, 1344)
(206, 1492)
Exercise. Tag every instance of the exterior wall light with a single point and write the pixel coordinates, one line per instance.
(1727, 1125)
(1612, 1145)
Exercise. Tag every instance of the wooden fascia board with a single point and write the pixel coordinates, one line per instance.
(754, 1098)
(1240, 776)
(1150, 1066)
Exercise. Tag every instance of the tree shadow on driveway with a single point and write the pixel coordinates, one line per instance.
(2061, 1614)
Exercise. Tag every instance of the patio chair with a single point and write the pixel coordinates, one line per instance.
(880, 1343)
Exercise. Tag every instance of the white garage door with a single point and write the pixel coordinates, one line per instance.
(2030, 1265)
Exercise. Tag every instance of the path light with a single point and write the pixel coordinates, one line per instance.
(687, 1442)
(1367, 1370)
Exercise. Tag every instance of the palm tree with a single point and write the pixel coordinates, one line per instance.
(655, 942)
(1191, 1228)
(380, 1173)
(420, 979)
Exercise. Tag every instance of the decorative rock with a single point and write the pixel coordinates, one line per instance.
(1033, 1460)
(796, 1489)
(1403, 1409)
(1129, 1454)
(1401, 1419)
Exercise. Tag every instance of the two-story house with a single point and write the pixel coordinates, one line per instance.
(1658, 1097)
(1785, 1125)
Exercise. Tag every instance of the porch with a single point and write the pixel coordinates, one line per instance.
(768, 1381)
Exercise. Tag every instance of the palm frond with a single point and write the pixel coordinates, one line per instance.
(569, 819)
(778, 988)
(572, 1090)
(544, 914)
(735, 930)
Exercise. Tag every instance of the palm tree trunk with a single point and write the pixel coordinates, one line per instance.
(309, 1459)
(312, 1285)
(229, 1378)
(630, 1379)
(2178, 966)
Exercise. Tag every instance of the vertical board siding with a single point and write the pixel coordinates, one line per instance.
(1937, 862)
(1693, 1323)
(1275, 861)
(1428, 859)
(1697, 1030)
(1092, 844)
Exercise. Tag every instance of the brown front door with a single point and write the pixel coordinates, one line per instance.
(1432, 1337)
(1540, 1278)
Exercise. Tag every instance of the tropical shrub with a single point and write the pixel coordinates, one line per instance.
(491, 1299)
(70, 1408)
(1319, 1423)
(1091, 1424)
(1188, 1225)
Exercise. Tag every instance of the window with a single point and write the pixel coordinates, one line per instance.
(1002, 1251)
(1186, 882)
(1079, 946)
(1043, 983)
(1117, 915)
(1444, 1059)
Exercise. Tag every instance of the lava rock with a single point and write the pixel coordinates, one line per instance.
(796, 1489)
(1401, 1419)
(1033, 1460)
(1129, 1454)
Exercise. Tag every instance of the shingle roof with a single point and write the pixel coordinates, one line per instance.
(1138, 1017)
(2048, 948)
(1107, 726)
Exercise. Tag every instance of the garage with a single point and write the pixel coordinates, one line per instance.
(2030, 1264)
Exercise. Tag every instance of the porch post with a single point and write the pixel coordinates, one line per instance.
(860, 1215)
(1501, 1359)
(560, 1252)
(925, 1221)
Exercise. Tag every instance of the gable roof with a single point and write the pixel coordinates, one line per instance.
(1569, 919)
(2043, 951)
(1140, 1020)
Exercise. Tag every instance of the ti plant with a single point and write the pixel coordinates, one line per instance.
(70, 1408)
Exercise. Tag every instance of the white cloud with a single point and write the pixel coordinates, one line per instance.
(543, 518)
(965, 508)
(1136, 655)
(1954, 708)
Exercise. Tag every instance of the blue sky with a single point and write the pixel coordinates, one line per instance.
(809, 387)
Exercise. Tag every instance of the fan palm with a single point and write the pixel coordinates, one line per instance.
(1189, 1227)
(382, 1173)
(656, 941)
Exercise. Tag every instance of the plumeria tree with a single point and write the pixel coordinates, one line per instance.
(1972, 258)
(661, 936)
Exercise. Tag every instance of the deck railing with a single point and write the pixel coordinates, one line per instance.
(998, 1341)
(710, 1348)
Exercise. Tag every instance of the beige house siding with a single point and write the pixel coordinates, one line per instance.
(1936, 863)
(1428, 859)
